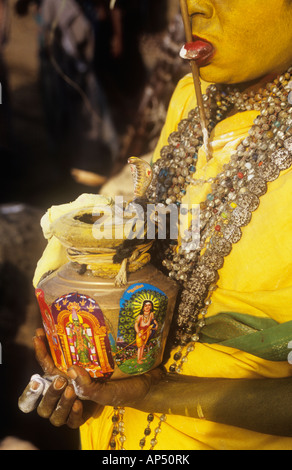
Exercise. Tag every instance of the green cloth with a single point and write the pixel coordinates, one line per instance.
(261, 337)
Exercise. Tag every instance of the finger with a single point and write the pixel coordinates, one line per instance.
(27, 402)
(111, 393)
(42, 356)
(62, 411)
(51, 398)
(75, 418)
(79, 375)
(108, 393)
(40, 333)
(81, 412)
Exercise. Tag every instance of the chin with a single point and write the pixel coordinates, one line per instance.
(221, 75)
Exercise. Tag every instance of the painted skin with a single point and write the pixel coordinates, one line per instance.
(245, 49)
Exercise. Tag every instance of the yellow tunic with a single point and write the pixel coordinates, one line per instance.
(256, 279)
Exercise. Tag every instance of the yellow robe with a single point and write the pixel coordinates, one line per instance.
(256, 280)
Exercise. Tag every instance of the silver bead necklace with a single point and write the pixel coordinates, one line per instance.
(235, 193)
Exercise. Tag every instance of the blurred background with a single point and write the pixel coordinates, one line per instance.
(83, 87)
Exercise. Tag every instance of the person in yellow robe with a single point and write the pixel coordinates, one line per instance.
(235, 388)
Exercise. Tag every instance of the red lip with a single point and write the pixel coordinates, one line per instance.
(200, 50)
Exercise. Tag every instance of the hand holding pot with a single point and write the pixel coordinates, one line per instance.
(72, 399)
(53, 395)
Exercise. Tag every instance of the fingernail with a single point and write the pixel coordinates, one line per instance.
(59, 383)
(69, 393)
(34, 386)
(76, 406)
(72, 374)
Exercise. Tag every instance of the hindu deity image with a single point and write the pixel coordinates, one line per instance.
(50, 329)
(80, 340)
(141, 322)
(82, 334)
(145, 326)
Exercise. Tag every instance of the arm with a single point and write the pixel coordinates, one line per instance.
(262, 405)
(258, 405)
(137, 325)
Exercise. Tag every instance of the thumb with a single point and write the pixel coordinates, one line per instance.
(80, 380)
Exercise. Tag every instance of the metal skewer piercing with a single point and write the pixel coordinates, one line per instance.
(196, 78)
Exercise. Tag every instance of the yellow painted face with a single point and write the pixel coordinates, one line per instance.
(251, 38)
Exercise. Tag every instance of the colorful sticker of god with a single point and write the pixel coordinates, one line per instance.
(141, 320)
(77, 334)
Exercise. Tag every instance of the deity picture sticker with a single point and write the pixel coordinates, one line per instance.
(141, 321)
(77, 334)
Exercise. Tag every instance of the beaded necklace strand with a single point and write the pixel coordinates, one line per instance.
(235, 195)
